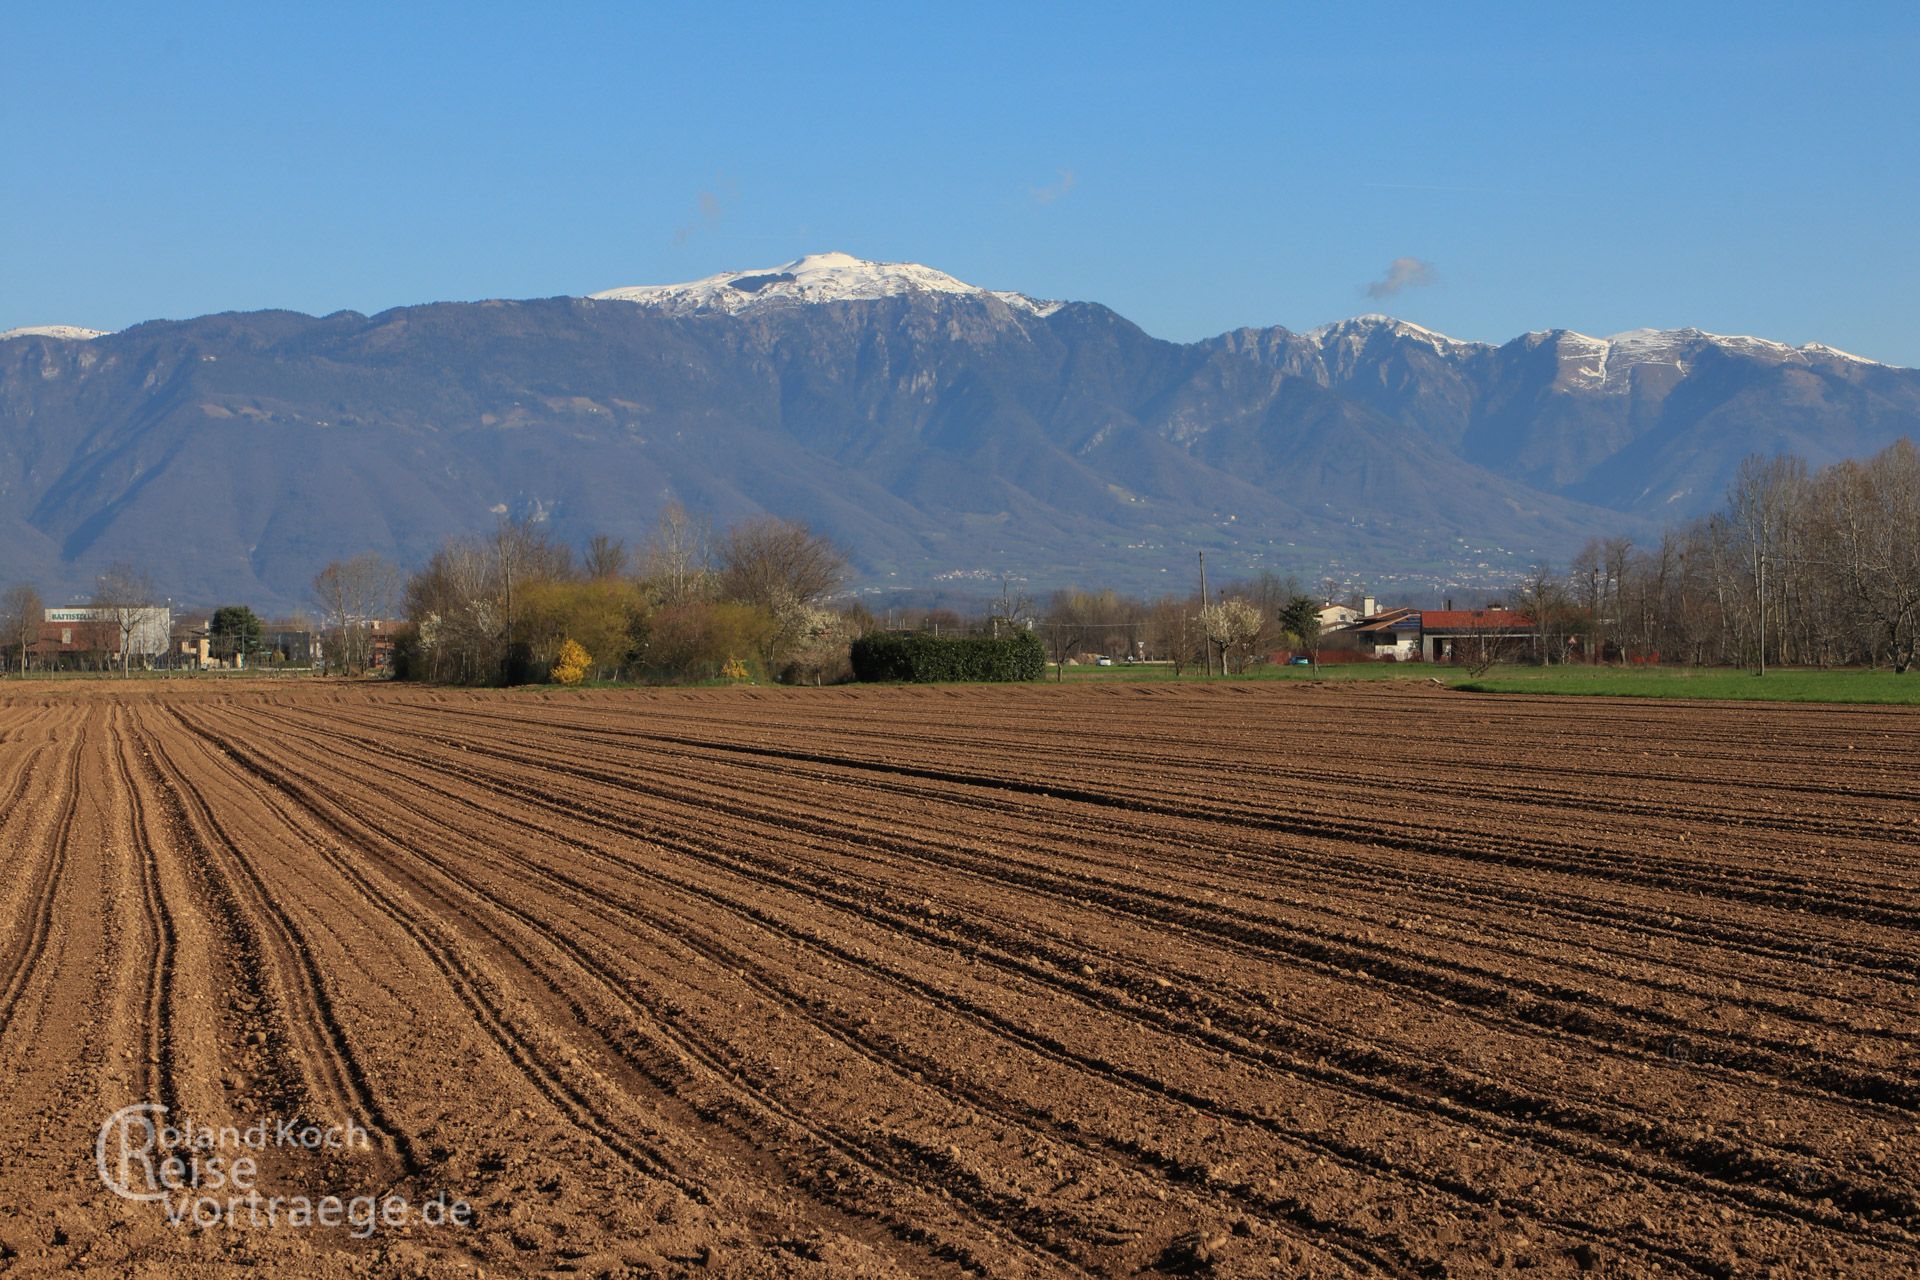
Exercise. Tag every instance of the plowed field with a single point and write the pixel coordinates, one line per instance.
(1241, 981)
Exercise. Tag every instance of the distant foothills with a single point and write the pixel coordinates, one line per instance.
(946, 438)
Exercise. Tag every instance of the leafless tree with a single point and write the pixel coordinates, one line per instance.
(352, 594)
(1543, 598)
(778, 564)
(524, 551)
(678, 561)
(1596, 578)
(606, 558)
(1794, 568)
(124, 597)
(1764, 503)
(1871, 515)
(1173, 629)
(455, 602)
(497, 607)
(1068, 622)
(1014, 609)
(1488, 641)
(21, 611)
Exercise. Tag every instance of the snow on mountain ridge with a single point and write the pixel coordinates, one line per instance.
(818, 277)
(67, 332)
(1600, 363)
(1630, 347)
(1357, 329)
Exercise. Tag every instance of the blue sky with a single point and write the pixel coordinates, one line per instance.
(1746, 168)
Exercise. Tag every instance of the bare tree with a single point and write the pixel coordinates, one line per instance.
(1014, 609)
(1764, 501)
(778, 564)
(1543, 598)
(523, 552)
(1871, 512)
(1596, 578)
(123, 596)
(352, 594)
(455, 604)
(678, 561)
(1070, 618)
(21, 611)
(606, 558)
(1102, 621)
(1488, 639)
(1173, 629)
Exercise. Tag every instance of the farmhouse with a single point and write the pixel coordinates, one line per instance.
(1391, 633)
(1474, 635)
(1437, 635)
(1334, 616)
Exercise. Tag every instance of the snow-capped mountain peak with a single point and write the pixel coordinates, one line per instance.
(1356, 330)
(818, 277)
(1607, 364)
(67, 332)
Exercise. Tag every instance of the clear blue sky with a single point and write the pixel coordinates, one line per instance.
(1747, 168)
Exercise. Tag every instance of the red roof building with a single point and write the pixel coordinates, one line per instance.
(1469, 634)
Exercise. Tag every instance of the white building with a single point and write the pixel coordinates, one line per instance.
(151, 626)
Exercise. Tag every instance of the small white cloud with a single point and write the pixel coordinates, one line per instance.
(1058, 191)
(1403, 274)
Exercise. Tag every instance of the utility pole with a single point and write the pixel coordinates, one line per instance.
(1763, 611)
(1206, 645)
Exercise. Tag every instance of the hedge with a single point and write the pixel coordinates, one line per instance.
(921, 659)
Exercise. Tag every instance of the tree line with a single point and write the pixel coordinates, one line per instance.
(1797, 567)
(753, 602)
(517, 605)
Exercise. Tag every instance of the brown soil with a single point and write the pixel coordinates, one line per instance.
(1102, 980)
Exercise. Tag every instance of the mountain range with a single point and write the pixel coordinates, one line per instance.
(941, 433)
